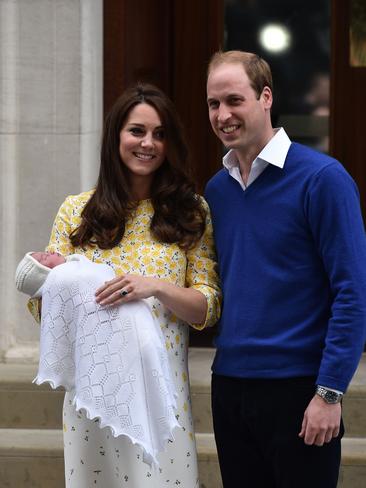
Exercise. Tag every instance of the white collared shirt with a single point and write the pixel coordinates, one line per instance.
(274, 152)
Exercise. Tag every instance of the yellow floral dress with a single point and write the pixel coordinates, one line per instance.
(93, 457)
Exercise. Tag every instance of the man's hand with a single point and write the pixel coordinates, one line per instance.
(321, 422)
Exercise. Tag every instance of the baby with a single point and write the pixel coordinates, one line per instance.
(33, 270)
(113, 359)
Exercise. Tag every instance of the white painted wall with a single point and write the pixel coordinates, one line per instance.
(51, 70)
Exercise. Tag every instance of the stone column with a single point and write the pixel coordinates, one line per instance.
(51, 71)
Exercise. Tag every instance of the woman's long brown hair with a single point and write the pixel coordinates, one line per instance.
(179, 216)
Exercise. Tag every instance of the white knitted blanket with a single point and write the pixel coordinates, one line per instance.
(113, 359)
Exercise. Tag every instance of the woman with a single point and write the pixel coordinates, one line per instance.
(145, 220)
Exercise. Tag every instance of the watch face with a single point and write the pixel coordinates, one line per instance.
(331, 396)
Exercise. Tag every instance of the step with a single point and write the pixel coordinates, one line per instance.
(353, 468)
(354, 403)
(199, 361)
(34, 458)
(25, 405)
(208, 464)
(31, 458)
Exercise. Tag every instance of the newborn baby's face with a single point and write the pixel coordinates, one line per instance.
(49, 259)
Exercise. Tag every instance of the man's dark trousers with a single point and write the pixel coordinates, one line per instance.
(257, 422)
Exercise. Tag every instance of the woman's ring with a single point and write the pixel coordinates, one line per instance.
(123, 293)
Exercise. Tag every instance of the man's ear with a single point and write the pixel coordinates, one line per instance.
(266, 97)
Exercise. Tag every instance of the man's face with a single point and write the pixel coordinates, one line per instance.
(49, 259)
(238, 117)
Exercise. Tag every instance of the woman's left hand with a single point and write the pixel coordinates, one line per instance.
(126, 288)
(188, 304)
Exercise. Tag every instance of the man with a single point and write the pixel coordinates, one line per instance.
(292, 256)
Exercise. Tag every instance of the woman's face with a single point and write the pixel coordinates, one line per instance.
(142, 144)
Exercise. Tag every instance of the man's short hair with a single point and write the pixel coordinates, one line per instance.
(257, 69)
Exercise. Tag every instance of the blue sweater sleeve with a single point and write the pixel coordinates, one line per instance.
(333, 211)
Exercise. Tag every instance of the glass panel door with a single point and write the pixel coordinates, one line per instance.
(294, 37)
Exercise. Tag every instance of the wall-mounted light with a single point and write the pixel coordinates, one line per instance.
(275, 38)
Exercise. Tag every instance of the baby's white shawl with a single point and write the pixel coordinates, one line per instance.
(113, 359)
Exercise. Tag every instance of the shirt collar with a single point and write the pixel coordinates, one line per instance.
(274, 152)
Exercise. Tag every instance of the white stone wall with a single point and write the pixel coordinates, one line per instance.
(51, 71)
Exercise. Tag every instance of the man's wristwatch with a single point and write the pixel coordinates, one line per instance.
(329, 396)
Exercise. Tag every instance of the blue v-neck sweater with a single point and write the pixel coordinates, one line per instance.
(292, 260)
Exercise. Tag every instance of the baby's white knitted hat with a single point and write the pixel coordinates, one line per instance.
(30, 275)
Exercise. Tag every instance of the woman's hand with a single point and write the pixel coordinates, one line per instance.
(188, 304)
(126, 288)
